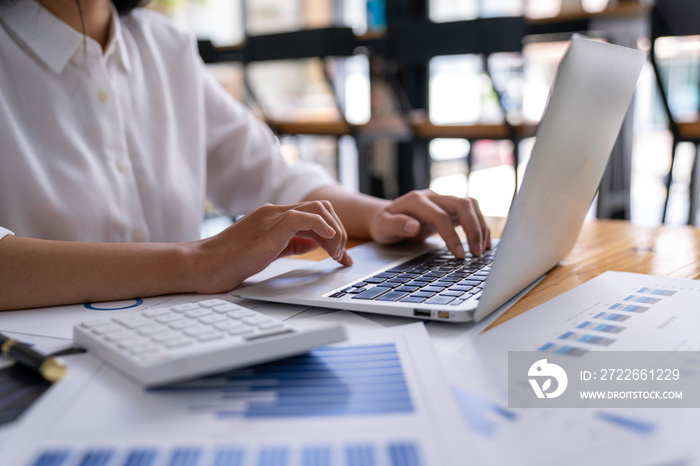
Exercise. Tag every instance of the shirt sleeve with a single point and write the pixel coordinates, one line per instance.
(245, 168)
(4, 232)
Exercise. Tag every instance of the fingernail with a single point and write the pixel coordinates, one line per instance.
(411, 227)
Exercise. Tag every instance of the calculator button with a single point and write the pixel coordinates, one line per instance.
(212, 319)
(255, 320)
(224, 308)
(197, 313)
(228, 325)
(163, 336)
(143, 348)
(132, 321)
(156, 312)
(210, 335)
(119, 334)
(94, 322)
(151, 329)
(212, 302)
(241, 314)
(196, 330)
(185, 323)
(267, 333)
(241, 330)
(170, 317)
(269, 325)
(176, 342)
(127, 343)
(185, 307)
(107, 328)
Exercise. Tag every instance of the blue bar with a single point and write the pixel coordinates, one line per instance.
(546, 347)
(660, 292)
(97, 458)
(642, 427)
(359, 455)
(316, 456)
(599, 315)
(630, 297)
(567, 335)
(637, 309)
(404, 454)
(615, 306)
(273, 456)
(141, 457)
(584, 325)
(229, 457)
(185, 457)
(52, 458)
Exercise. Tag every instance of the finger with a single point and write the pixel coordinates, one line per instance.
(298, 245)
(399, 226)
(427, 211)
(325, 210)
(469, 216)
(313, 226)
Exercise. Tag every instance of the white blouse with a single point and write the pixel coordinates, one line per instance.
(125, 144)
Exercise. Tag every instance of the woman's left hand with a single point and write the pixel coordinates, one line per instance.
(420, 214)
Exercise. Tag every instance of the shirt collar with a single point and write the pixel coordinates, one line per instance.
(52, 40)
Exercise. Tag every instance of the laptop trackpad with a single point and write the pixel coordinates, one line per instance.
(327, 275)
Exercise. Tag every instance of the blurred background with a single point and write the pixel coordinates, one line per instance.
(402, 94)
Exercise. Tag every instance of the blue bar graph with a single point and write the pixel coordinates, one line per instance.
(607, 328)
(186, 456)
(404, 454)
(611, 316)
(316, 456)
(229, 457)
(359, 455)
(585, 338)
(141, 457)
(657, 291)
(329, 381)
(96, 458)
(642, 299)
(629, 308)
(399, 453)
(562, 349)
(52, 458)
(273, 456)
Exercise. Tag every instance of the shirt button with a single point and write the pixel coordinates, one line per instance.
(103, 95)
(137, 236)
(122, 166)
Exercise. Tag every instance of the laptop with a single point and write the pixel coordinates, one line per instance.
(593, 89)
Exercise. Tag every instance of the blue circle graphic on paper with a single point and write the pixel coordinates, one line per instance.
(92, 307)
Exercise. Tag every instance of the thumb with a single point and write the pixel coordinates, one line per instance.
(400, 226)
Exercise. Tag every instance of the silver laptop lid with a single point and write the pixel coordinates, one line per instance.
(593, 90)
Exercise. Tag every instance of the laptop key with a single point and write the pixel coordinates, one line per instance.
(422, 294)
(412, 299)
(371, 293)
(392, 296)
(407, 289)
(439, 300)
(432, 289)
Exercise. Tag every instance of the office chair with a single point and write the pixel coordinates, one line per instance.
(676, 18)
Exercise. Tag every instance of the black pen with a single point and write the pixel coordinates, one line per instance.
(52, 369)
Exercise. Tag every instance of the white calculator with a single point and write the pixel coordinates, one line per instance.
(175, 343)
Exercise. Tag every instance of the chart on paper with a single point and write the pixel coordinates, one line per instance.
(614, 311)
(357, 404)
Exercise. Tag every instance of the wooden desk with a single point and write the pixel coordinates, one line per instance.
(670, 251)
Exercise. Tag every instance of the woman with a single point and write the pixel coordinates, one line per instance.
(113, 134)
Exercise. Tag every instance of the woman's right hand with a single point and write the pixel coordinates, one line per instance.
(245, 248)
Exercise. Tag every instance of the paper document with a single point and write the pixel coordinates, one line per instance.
(379, 399)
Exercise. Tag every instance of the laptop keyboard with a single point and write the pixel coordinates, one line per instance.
(436, 277)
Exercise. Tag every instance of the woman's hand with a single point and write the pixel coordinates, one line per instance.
(419, 214)
(222, 262)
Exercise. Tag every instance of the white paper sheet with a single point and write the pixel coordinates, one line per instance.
(95, 409)
(658, 314)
